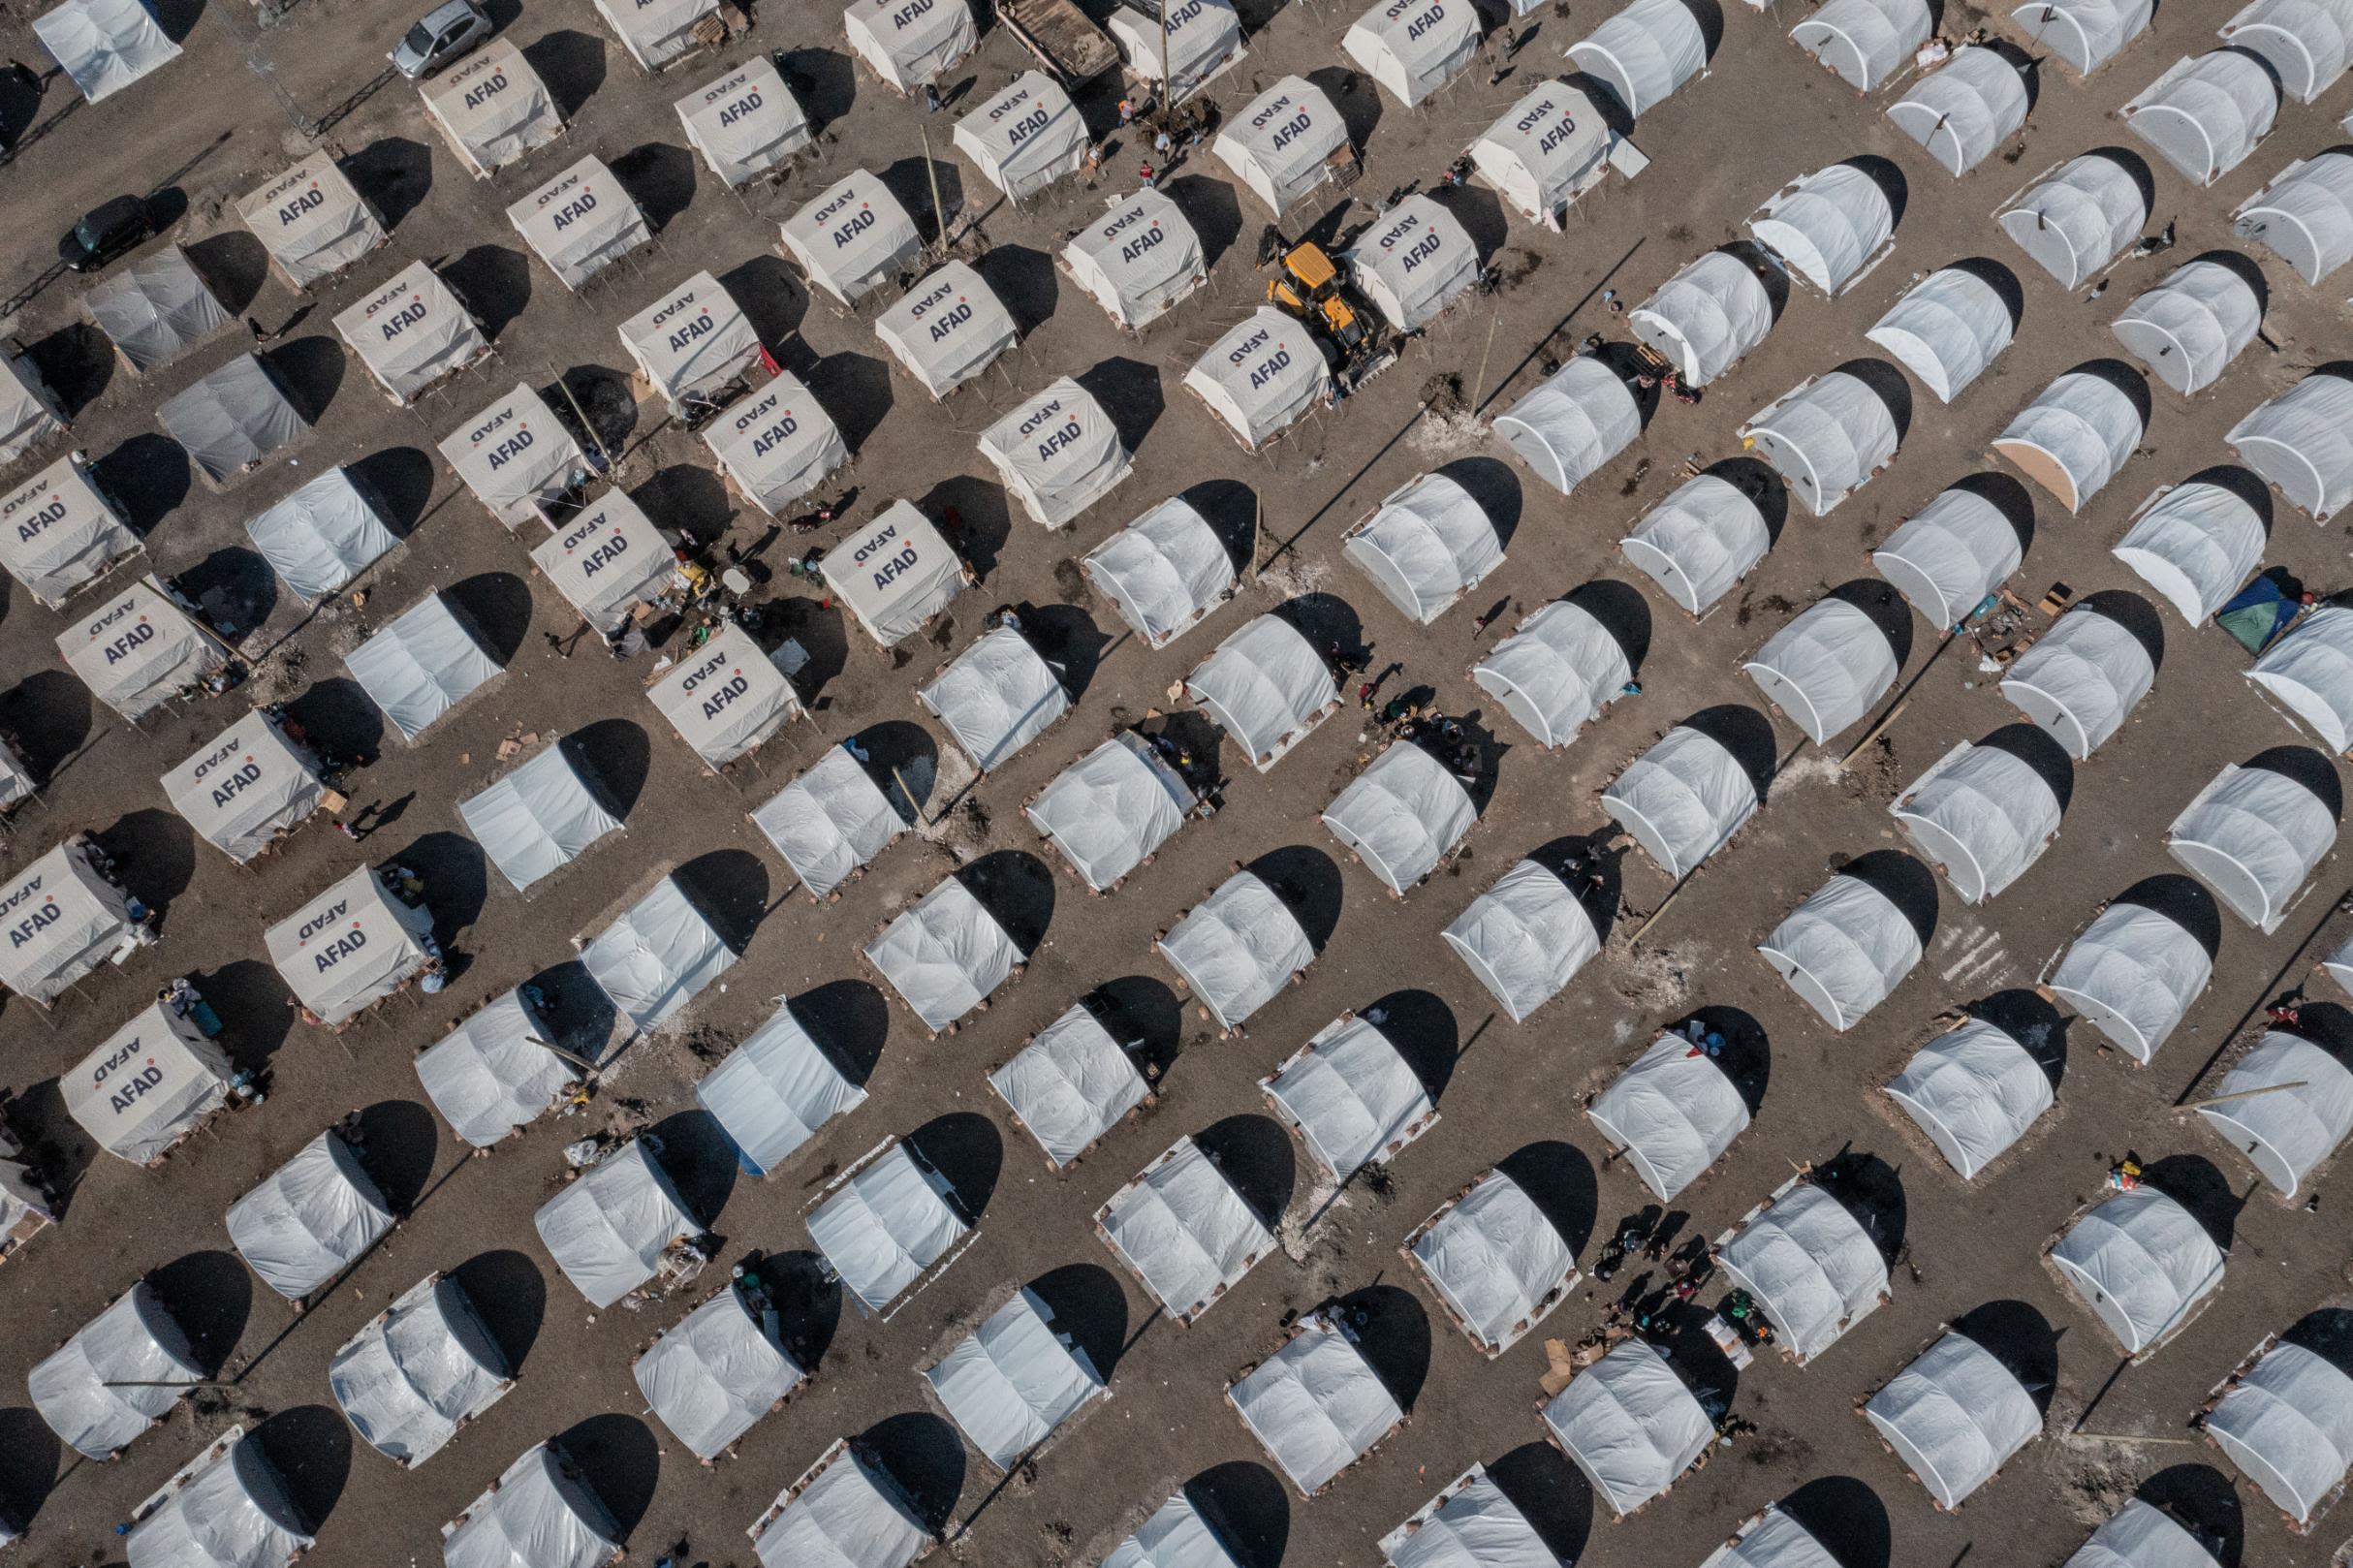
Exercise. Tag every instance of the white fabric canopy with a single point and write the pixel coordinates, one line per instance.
(2077, 217)
(1964, 110)
(153, 308)
(2141, 1535)
(309, 1219)
(323, 536)
(2081, 680)
(516, 457)
(1012, 1380)
(2142, 1263)
(1863, 43)
(105, 45)
(607, 560)
(1058, 452)
(831, 821)
(2287, 1424)
(1175, 1536)
(1771, 1539)
(1545, 151)
(1262, 377)
(1843, 950)
(711, 1375)
(2086, 34)
(728, 698)
(656, 955)
(1351, 1096)
(1025, 137)
(1982, 816)
(1947, 556)
(1140, 255)
(1955, 1415)
(947, 329)
(245, 788)
(1402, 815)
(854, 237)
(153, 1082)
(2304, 215)
(1413, 47)
(995, 697)
(1682, 798)
(2196, 544)
(1524, 938)
(1202, 41)
(312, 221)
(99, 1389)
(581, 222)
(1163, 572)
(63, 920)
(1069, 1085)
(1830, 226)
(1698, 541)
(1947, 328)
(1631, 1425)
(692, 343)
(537, 819)
(2307, 43)
(421, 665)
(1471, 1524)
(776, 443)
(541, 1512)
(1112, 810)
(1571, 425)
(608, 1230)
(1238, 948)
(232, 420)
(2253, 835)
(1280, 145)
(894, 573)
(1827, 436)
(2204, 115)
(1556, 672)
(1413, 261)
(1266, 687)
(1707, 316)
(2289, 1132)
(1826, 668)
(657, 32)
(351, 946)
(493, 107)
(421, 1369)
(1673, 1110)
(228, 1506)
(2302, 441)
(1495, 1260)
(776, 1090)
(1316, 1404)
(944, 953)
(747, 123)
(2132, 975)
(1427, 544)
(1643, 53)
(884, 1224)
(493, 1073)
(842, 1512)
(1183, 1231)
(29, 415)
(1974, 1090)
(1810, 1264)
(907, 43)
(2189, 327)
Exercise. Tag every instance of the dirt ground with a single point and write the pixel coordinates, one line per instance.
(216, 124)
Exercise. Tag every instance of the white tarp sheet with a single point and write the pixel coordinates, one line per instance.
(2196, 544)
(227, 1506)
(1280, 145)
(2086, 34)
(854, 237)
(1201, 40)
(1163, 572)
(777, 443)
(2077, 217)
(2253, 835)
(2204, 115)
(1571, 425)
(309, 1219)
(1471, 1525)
(245, 788)
(657, 955)
(493, 1073)
(153, 1082)
(1175, 1536)
(776, 1089)
(831, 821)
(2288, 1425)
(710, 1376)
(944, 953)
(1026, 137)
(2288, 1133)
(351, 946)
(1946, 329)
(2189, 327)
(29, 415)
(1351, 1096)
(1111, 811)
(139, 650)
(411, 332)
(1413, 261)
(1316, 1404)
(1682, 798)
(321, 537)
(995, 697)
(1262, 377)
(154, 308)
(1843, 950)
(839, 1513)
(1701, 539)
(421, 1369)
(1140, 256)
(1012, 1380)
(2307, 43)
(907, 43)
(421, 665)
(1673, 1112)
(2080, 680)
(2132, 975)
(894, 573)
(1402, 815)
(1948, 555)
(1058, 452)
(1545, 151)
(1427, 544)
(2141, 1535)
(1238, 948)
(2304, 215)
(884, 1224)
(1955, 1415)
(2142, 1263)
(1771, 1539)
(1496, 1261)
(105, 45)
(1832, 225)
(657, 32)
(1964, 110)
(745, 123)
(1266, 687)
(1863, 43)
(1183, 1231)
(311, 220)
(63, 920)
(97, 1391)
(692, 342)
(728, 698)
(1524, 938)
(537, 819)
(1827, 436)
(515, 456)
(1645, 52)
(581, 222)
(1982, 816)
(1826, 668)
(1810, 1264)
(607, 560)
(493, 107)
(947, 329)
(232, 420)
(608, 1230)
(1707, 316)
(1631, 1425)
(1974, 1090)
(542, 1502)
(1413, 47)
(1069, 1085)
(1556, 672)
(2302, 441)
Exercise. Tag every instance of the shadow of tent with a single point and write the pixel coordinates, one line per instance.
(967, 1151)
(614, 755)
(1767, 490)
(2038, 1027)
(1899, 878)
(2135, 614)
(1890, 180)
(2308, 767)
(1248, 1508)
(1231, 509)
(1068, 638)
(2327, 1333)
(1847, 1518)
(1017, 888)
(26, 1480)
(1889, 385)
(570, 64)
(1599, 92)
(1255, 1154)
(397, 1141)
(729, 889)
(1872, 1191)
(209, 1295)
(233, 264)
(498, 604)
(155, 851)
(309, 371)
(1326, 620)
(911, 183)
(2193, 1181)
(809, 1300)
(2044, 756)
(78, 363)
(393, 174)
(620, 1460)
(1495, 486)
(510, 1295)
(2008, 495)
(1552, 1493)
(2000, 279)
(1025, 282)
(925, 1456)
(493, 282)
(49, 713)
(2205, 1501)
(1747, 1058)
(1214, 209)
(310, 1447)
(771, 297)
(1393, 1335)
(1353, 93)
(1886, 609)
(2124, 379)
(233, 586)
(1746, 733)
(595, 403)
(2328, 1026)
(822, 79)
(149, 476)
(1309, 882)
(1423, 1031)
(1129, 390)
(1560, 1181)
(987, 526)
(582, 1014)
(2022, 1339)
(700, 1161)
(852, 1019)
(1623, 613)
(902, 757)
(1481, 214)
(456, 876)
(2183, 901)
(1144, 1016)
(1090, 1305)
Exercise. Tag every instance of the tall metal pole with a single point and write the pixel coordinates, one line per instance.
(939, 214)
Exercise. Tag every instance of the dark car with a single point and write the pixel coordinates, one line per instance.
(104, 233)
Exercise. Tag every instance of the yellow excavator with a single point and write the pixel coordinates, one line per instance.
(1309, 285)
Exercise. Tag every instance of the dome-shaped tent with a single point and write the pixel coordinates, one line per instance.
(1111, 811)
(1673, 1110)
(710, 1376)
(1524, 938)
(1266, 687)
(1827, 436)
(1863, 43)
(1555, 672)
(2074, 436)
(846, 1508)
(1571, 425)
(2080, 680)
(1402, 815)
(227, 1506)
(1645, 52)
(944, 953)
(2305, 216)
(1163, 572)
(2298, 1109)
(1682, 798)
(1964, 110)
(1955, 1415)
(2196, 544)
(1009, 1383)
(775, 1090)
(1350, 1096)
(831, 821)
(2310, 671)
(2204, 115)
(608, 1231)
(2141, 1535)
(2077, 218)
(2287, 1424)
(1830, 226)
(309, 1219)
(2086, 34)
(117, 1376)
(2142, 1263)
(1427, 544)
(1316, 1405)
(1946, 329)
(419, 1372)
(1826, 668)
(1238, 948)
(1706, 317)
(542, 1512)
(1630, 1424)
(2307, 43)
(1771, 1539)
(1183, 1231)
(2253, 835)
(1810, 1264)
(885, 1223)
(2132, 975)
(1974, 1090)
(1701, 539)
(1982, 815)
(2302, 441)
(2191, 326)
(1843, 950)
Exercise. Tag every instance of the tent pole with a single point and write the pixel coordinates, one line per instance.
(939, 214)
(913, 804)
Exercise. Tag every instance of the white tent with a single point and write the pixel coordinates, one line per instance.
(657, 32)
(710, 1376)
(141, 649)
(1826, 668)
(1238, 948)
(1282, 143)
(2086, 34)
(656, 955)
(2339, 965)
(944, 953)
(581, 222)
(1863, 43)
(882, 1225)
(323, 536)
(1955, 1416)
(105, 45)
(947, 329)
(493, 107)
(1069, 1085)
(1412, 48)
(845, 1509)
(995, 697)
(1947, 556)
(607, 560)
(1183, 1231)
(907, 43)
(1163, 572)
(2204, 115)
(1495, 1261)
(1982, 815)
(2141, 1535)
(2304, 215)
(1556, 672)
(1262, 377)
(248, 787)
(232, 420)
(1811, 1264)
(2307, 43)
(494, 1072)
(2302, 442)
(2287, 1133)
(1827, 436)
(422, 664)
(747, 123)
(1673, 1110)
(1140, 255)
(1524, 938)
(1266, 687)
(1631, 1425)
(2287, 1424)
(1202, 41)
(1471, 1524)
(2188, 328)
(776, 444)
(1175, 1536)
(418, 1372)
(113, 1378)
(516, 457)
(1643, 53)
(312, 221)
(1111, 811)
(2132, 975)
(1771, 1539)
(1427, 544)
(1012, 1380)
(608, 1230)
(1545, 151)
(894, 573)
(1682, 799)
(1414, 261)
(1402, 815)
(1974, 1090)
(1843, 950)
(692, 344)
(1698, 541)
(728, 700)
(537, 819)
(1830, 226)
(2080, 680)
(1964, 110)
(831, 821)
(2077, 217)
(310, 1218)
(854, 237)
(2142, 1263)
(1025, 137)
(1571, 425)
(1350, 1097)
(65, 919)
(539, 1513)
(1316, 1404)
(155, 1082)
(2196, 544)
(154, 308)
(1707, 316)
(17, 781)
(2253, 835)
(1947, 328)
(29, 415)
(229, 1505)
(776, 1089)
(351, 946)
(1058, 452)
